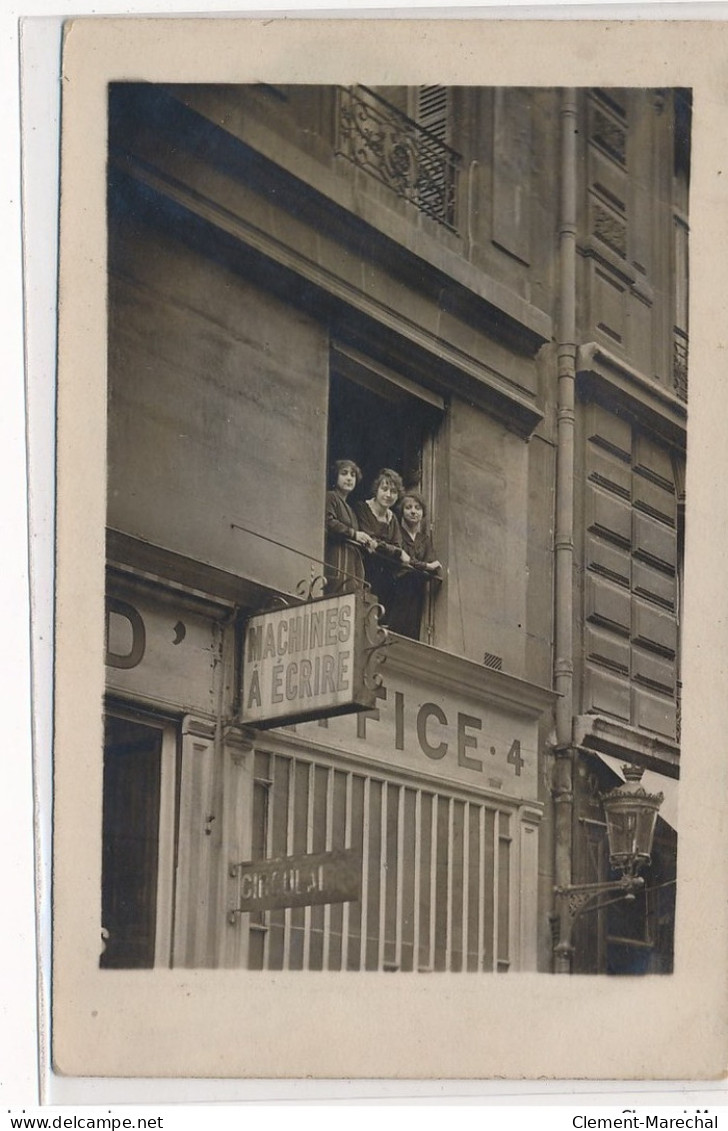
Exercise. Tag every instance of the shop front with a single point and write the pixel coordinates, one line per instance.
(428, 801)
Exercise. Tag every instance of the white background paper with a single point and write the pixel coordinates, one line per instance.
(18, 1025)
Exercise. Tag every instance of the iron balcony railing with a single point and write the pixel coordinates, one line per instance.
(409, 159)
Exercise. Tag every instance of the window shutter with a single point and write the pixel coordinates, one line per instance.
(432, 110)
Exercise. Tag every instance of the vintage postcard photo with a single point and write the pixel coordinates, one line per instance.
(375, 572)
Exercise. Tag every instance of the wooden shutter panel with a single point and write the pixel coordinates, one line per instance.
(432, 110)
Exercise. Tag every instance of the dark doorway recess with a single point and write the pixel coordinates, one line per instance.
(132, 778)
(379, 427)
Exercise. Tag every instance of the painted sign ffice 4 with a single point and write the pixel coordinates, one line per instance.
(443, 717)
(311, 661)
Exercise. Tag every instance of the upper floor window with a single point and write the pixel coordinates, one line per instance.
(401, 141)
(380, 419)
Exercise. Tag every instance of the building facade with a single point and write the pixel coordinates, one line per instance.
(485, 289)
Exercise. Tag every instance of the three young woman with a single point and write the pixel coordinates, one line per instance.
(370, 542)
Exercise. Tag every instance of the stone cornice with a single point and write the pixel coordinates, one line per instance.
(144, 563)
(459, 676)
(603, 735)
(342, 194)
(529, 812)
(239, 741)
(456, 368)
(198, 726)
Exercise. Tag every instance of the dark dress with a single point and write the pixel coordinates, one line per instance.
(408, 597)
(380, 567)
(344, 568)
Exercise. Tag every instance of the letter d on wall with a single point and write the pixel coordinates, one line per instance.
(134, 626)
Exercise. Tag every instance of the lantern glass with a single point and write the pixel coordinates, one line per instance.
(631, 815)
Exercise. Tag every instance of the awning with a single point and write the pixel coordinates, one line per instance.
(652, 782)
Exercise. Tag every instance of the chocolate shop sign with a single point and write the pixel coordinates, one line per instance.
(311, 661)
(297, 881)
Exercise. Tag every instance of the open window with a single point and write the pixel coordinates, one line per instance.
(379, 418)
(137, 841)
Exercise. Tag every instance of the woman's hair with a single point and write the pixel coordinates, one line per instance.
(411, 495)
(393, 477)
(338, 466)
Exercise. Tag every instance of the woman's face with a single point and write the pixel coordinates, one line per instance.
(412, 511)
(386, 493)
(346, 480)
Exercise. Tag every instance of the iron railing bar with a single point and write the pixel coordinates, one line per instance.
(404, 117)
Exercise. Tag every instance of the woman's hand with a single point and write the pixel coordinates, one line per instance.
(433, 566)
(405, 559)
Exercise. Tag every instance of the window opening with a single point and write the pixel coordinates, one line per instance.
(378, 429)
(380, 423)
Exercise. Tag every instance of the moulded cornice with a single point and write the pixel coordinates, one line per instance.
(604, 735)
(607, 379)
(416, 258)
(456, 367)
(123, 579)
(199, 727)
(461, 676)
(155, 567)
(592, 248)
(239, 741)
(334, 192)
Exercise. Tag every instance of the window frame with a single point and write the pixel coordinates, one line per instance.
(349, 364)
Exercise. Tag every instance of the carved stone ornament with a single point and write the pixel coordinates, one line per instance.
(609, 229)
(610, 136)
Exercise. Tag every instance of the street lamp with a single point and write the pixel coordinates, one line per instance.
(631, 815)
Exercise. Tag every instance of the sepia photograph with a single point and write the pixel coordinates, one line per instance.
(429, 344)
(390, 457)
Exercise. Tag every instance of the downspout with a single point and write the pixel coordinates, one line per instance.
(564, 528)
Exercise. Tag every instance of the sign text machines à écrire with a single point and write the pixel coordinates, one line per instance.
(312, 661)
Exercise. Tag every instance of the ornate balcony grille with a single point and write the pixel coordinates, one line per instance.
(404, 156)
(680, 364)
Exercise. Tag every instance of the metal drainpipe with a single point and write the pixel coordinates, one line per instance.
(564, 531)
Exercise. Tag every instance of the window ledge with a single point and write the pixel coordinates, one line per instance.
(459, 676)
(613, 382)
(604, 735)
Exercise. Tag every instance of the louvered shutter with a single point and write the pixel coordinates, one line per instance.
(432, 110)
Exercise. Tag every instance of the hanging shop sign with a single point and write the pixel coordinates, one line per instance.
(297, 881)
(312, 661)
